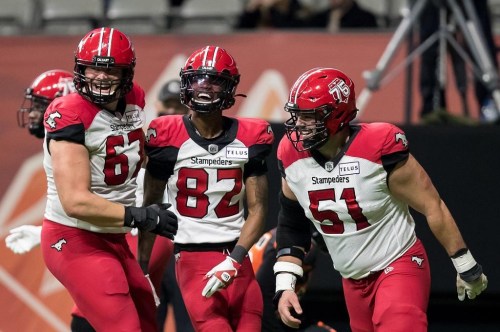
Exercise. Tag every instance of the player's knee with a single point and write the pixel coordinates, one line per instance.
(400, 318)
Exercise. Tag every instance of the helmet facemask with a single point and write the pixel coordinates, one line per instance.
(310, 129)
(208, 80)
(104, 49)
(102, 92)
(26, 116)
(206, 91)
(321, 103)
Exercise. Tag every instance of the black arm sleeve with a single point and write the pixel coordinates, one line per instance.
(293, 226)
(161, 161)
(255, 167)
(257, 164)
(73, 133)
(391, 160)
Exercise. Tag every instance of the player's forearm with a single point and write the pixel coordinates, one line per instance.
(144, 249)
(252, 230)
(153, 190)
(445, 229)
(94, 209)
(290, 259)
(257, 197)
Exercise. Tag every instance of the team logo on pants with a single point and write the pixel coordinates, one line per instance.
(58, 245)
(417, 260)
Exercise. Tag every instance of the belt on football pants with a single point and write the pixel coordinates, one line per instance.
(222, 247)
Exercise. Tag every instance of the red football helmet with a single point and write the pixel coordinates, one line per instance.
(104, 48)
(209, 79)
(325, 97)
(45, 88)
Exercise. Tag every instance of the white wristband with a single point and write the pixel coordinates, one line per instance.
(285, 281)
(289, 268)
(286, 275)
(464, 262)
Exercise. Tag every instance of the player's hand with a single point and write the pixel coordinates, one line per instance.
(153, 290)
(289, 309)
(23, 238)
(472, 289)
(154, 218)
(221, 276)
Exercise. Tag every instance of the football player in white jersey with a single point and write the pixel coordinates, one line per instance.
(212, 165)
(46, 87)
(43, 90)
(93, 151)
(355, 183)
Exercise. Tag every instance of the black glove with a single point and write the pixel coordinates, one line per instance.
(154, 218)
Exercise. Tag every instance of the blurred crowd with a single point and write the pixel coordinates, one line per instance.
(47, 16)
(226, 16)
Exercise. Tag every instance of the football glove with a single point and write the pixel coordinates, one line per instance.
(221, 276)
(472, 289)
(154, 218)
(470, 277)
(23, 238)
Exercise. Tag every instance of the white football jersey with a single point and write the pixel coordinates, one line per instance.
(364, 227)
(206, 178)
(115, 146)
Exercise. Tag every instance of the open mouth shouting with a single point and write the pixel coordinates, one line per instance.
(206, 97)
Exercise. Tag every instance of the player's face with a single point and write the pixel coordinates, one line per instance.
(103, 81)
(306, 124)
(206, 88)
(36, 113)
(33, 117)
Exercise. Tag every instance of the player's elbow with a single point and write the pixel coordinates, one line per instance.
(75, 206)
(73, 211)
